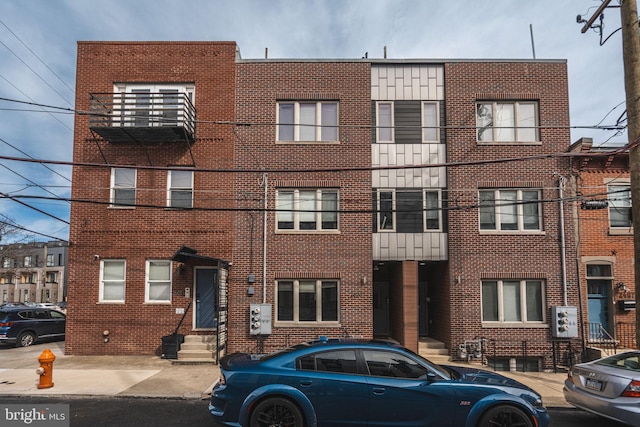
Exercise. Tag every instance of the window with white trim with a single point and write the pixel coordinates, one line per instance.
(51, 260)
(180, 189)
(384, 119)
(307, 209)
(512, 301)
(112, 280)
(507, 121)
(508, 210)
(7, 262)
(430, 122)
(27, 262)
(158, 281)
(408, 210)
(307, 121)
(123, 187)
(307, 301)
(619, 206)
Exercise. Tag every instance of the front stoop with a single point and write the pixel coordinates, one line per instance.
(197, 349)
(433, 350)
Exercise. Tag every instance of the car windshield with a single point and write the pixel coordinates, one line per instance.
(437, 368)
(628, 361)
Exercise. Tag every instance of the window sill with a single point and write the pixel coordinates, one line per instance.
(512, 232)
(306, 324)
(307, 142)
(520, 143)
(110, 303)
(621, 231)
(307, 231)
(513, 325)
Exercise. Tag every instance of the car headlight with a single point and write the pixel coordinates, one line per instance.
(538, 403)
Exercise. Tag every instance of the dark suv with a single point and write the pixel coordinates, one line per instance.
(24, 325)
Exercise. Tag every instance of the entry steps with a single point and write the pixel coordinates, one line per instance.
(196, 349)
(433, 350)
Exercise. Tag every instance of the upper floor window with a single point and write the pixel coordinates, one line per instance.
(112, 280)
(50, 260)
(507, 121)
(407, 122)
(384, 116)
(180, 189)
(307, 209)
(512, 301)
(123, 187)
(307, 121)
(158, 283)
(7, 262)
(510, 210)
(149, 105)
(52, 277)
(619, 206)
(409, 211)
(430, 122)
(307, 301)
(28, 261)
(29, 278)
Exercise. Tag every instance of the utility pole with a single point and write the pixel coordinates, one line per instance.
(631, 59)
(631, 56)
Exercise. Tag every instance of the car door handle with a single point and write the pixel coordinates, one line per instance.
(306, 383)
(378, 390)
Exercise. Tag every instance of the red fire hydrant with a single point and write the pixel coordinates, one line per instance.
(46, 369)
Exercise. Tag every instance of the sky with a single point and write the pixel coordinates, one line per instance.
(38, 45)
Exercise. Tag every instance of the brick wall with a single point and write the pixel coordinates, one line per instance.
(146, 232)
(474, 256)
(345, 256)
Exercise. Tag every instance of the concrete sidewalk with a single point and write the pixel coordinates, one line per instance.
(151, 376)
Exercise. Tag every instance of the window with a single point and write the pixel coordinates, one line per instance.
(430, 122)
(307, 301)
(619, 206)
(158, 281)
(512, 301)
(390, 364)
(28, 278)
(50, 260)
(384, 116)
(180, 192)
(52, 277)
(27, 261)
(123, 187)
(112, 280)
(341, 361)
(307, 121)
(408, 211)
(510, 210)
(307, 210)
(507, 121)
(7, 262)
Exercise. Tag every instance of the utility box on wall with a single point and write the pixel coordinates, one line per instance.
(564, 322)
(260, 319)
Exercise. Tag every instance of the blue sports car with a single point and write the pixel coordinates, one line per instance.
(365, 383)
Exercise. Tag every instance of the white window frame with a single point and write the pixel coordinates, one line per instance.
(519, 130)
(428, 209)
(617, 200)
(51, 277)
(296, 303)
(296, 211)
(122, 282)
(117, 184)
(519, 204)
(380, 219)
(155, 108)
(426, 126)
(157, 282)
(299, 128)
(51, 260)
(171, 189)
(27, 261)
(523, 303)
(7, 262)
(380, 127)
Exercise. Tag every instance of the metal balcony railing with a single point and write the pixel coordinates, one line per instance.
(144, 117)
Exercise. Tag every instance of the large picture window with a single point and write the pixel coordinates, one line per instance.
(507, 121)
(180, 189)
(112, 280)
(307, 301)
(307, 209)
(308, 121)
(123, 187)
(158, 283)
(510, 210)
(619, 206)
(512, 301)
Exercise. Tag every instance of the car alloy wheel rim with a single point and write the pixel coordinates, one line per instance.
(276, 416)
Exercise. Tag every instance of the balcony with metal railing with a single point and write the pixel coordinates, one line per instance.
(143, 117)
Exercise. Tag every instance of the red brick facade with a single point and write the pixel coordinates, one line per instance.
(99, 232)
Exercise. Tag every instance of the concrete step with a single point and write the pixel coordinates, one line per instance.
(433, 350)
(197, 349)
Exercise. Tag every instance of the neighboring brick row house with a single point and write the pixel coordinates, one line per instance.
(33, 272)
(350, 198)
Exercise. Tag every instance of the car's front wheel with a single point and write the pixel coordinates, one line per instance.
(276, 412)
(26, 339)
(505, 416)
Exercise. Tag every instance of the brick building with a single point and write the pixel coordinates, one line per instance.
(319, 191)
(605, 244)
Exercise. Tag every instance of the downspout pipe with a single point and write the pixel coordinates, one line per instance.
(563, 246)
(265, 182)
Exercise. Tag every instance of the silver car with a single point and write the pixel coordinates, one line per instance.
(609, 387)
